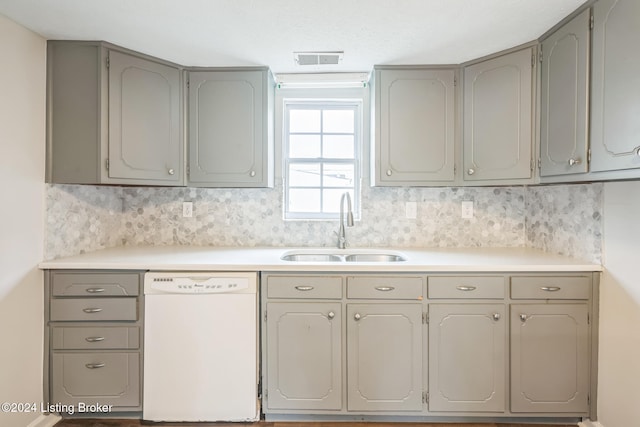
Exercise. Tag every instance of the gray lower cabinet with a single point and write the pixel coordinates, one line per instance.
(467, 357)
(615, 98)
(93, 338)
(114, 117)
(564, 106)
(230, 128)
(304, 348)
(498, 112)
(384, 357)
(415, 126)
(549, 358)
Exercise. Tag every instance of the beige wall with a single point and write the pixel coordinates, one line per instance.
(22, 152)
(619, 364)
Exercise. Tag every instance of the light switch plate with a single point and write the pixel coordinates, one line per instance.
(411, 210)
(187, 209)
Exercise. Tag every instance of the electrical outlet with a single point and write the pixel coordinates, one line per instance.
(187, 209)
(411, 210)
(467, 209)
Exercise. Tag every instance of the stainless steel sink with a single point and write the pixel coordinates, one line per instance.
(304, 257)
(374, 258)
(368, 255)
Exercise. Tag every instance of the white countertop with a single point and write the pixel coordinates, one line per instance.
(198, 258)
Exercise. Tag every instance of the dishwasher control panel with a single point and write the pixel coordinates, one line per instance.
(199, 283)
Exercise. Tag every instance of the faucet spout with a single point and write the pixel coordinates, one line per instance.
(342, 238)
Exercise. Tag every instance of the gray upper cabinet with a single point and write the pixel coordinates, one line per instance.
(230, 128)
(112, 117)
(414, 126)
(498, 101)
(615, 105)
(564, 101)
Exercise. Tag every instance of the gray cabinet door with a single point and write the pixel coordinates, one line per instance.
(467, 357)
(384, 357)
(145, 139)
(615, 102)
(304, 356)
(549, 358)
(228, 141)
(498, 118)
(415, 126)
(564, 100)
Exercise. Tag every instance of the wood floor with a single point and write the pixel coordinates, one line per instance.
(138, 423)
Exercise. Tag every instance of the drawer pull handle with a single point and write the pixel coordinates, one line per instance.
(95, 365)
(304, 288)
(357, 317)
(92, 310)
(95, 290)
(94, 339)
(466, 288)
(385, 288)
(496, 316)
(550, 288)
(331, 315)
(523, 318)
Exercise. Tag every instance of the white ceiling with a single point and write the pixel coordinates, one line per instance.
(267, 32)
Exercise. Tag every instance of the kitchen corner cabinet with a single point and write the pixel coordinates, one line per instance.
(615, 102)
(564, 58)
(230, 115)
(93, 339)
(498, 111)
(415, 126)
(113, 117)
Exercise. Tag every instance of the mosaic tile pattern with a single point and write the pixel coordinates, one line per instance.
(81, 218)
(563, 219)
(566, 220)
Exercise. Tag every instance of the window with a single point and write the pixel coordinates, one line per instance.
(321, 157)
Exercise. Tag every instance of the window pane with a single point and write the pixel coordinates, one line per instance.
(331, 200)
(304, 175)
(304, 146)
(307, 200)
(338, 146)
(338, 121)
(304, 121)
(338, 175)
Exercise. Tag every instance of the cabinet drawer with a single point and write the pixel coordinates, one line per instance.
(551, 287)
(88, 338)
(328, 287)
(106, 378)
(466, 287)
(385, 287)
(66, 309)
(95, 284)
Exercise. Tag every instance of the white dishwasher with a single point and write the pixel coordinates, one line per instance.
(200, 347)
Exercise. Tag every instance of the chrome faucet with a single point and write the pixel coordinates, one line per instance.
(342, 238)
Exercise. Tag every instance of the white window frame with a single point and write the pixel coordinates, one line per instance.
(323, 103)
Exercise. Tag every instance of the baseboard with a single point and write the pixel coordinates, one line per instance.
(45, 421)
(589, 423)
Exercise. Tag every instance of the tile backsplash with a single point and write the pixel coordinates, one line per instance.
(562, 219)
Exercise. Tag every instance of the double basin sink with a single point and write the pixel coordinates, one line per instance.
(344, 255)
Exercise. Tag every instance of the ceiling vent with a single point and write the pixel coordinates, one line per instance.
(318, 58)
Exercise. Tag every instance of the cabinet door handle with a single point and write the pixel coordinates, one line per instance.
(94, 339)
(95, 365)
(496, 316)
(357, 316)
(94, 290)
(523, 318)
(92, 310)
(550, 288)
(471, 171)
(466, 288)
(331, 315)
(389, 172)
(385, 288)
(574, 162)
(252, 174)
(171, 171)
(304, 288)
